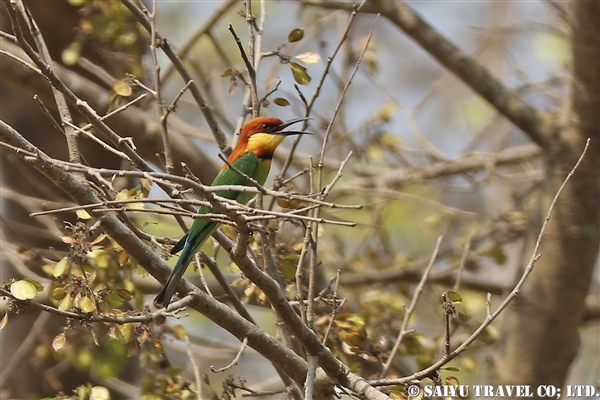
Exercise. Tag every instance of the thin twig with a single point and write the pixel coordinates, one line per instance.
(117, 110)
(411, 309)
(48, 114)
(233, 298)
(26, 346)
(463, 258)
(235, 360)
(195, 367)
(251, 65)
(339, 103)
(203, 29)
(449, 313)
(490, 317)
(154, 43)
(180, 67)
(319, 86)
(44, 56)
(141, 318)
(336, 308)
(104, 145)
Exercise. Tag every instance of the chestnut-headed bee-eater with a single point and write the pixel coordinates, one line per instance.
(252, 156)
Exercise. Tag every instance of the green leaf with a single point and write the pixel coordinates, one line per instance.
(122, 88)
(494, 251)
(454, 369)
(280, 101)
(300, 74)
(454, 297)
(463, 317)
(124, 294)
(113, 300)
(178, 331)
(23, 290)
(295, 35)
(158, 347)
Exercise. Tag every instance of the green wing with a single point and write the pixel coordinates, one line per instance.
(202, 228)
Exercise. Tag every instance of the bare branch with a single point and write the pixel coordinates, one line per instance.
(410, 310)
(194, 90)
(490, 317)
(540, 127)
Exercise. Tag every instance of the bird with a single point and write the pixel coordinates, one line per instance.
(252, 156)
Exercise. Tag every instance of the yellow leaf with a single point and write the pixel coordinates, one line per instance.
(308, 57)
(386, 111)
(60, 267)
(83, 214)
(300, 74)
(86, 304)
(100, 238)
(23, 290)
(552, 50)
(71, 54)
(59, 292)
(227, 72)
(122, 88)
(66, 303)
(38, 286)
(158, 347)
(99, 393)
(126, 332)
(59, 341)
(391, 141)
(178, 331)
(474, 113)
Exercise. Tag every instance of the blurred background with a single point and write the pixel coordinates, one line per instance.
(430, 157)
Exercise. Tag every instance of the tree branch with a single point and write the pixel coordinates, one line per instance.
(538, 126)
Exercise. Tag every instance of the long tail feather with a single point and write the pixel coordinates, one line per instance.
(191, 243)
(164, 296)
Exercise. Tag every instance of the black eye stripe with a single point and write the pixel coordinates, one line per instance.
(266, 127)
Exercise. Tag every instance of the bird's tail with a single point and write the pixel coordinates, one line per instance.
(164, 296)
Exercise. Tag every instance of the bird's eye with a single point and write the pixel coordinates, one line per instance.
(263, 126)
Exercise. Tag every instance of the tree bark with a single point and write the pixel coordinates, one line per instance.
(540, 329)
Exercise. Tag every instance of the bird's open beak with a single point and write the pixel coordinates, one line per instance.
(280, 128)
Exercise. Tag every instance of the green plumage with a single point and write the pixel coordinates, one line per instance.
(249, 164)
